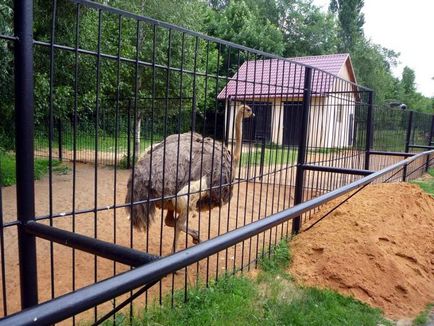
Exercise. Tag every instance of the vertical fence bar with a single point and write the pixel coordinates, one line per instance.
(24, 149)
(407, 142)
(129, 135)
(262, 161)
(430, 137)
(299, 177)
(59, 130)
(369, 130)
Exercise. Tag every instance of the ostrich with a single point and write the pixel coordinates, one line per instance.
(200, 181)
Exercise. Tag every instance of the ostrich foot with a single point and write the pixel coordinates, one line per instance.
(195, 236)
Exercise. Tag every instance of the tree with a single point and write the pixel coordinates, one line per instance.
(372, 64)
(7, 127)
(351, 21)
(408, 81)
(244, 25)
(307, 30)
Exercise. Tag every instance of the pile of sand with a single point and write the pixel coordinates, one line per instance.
(378, 247)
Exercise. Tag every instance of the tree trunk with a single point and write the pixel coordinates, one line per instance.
(137, 136)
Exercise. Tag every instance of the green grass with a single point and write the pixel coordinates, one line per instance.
(277, 260)
(271, 298)
(322, 307)
(422, 318)
(389, 140)
(426, 184)
(106, 143)
(272, 156)
(8, 170)
(325, 150)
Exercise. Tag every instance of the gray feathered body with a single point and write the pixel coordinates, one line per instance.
(209, 160)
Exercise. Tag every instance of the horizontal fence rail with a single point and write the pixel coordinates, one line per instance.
(70, 304)
(142, 149)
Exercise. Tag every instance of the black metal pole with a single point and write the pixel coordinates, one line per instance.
(261, 167)
(369, 130)
(24, 149)
(59, 130)
(94, 246)
(67, 305)
(299, 177)
(430, 138)
(385, 153)
(129, 135)
(310, 167)
(407, 142)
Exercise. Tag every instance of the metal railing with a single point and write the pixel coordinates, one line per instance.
(136, 89)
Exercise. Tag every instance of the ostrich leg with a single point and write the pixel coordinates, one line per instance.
(183, 204)
(181, 225)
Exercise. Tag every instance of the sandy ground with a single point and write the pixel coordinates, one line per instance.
(377, 247)
(251, 201)
(60, 269)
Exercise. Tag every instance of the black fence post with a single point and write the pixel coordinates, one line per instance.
(299, 177)
(59, 134)
(369, 130)
(430, 142)
(24, 150)
(262, 162)
(407, 143)
(129, 135)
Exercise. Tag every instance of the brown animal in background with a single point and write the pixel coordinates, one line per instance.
(201, 181)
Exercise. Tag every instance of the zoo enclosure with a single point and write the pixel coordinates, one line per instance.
(276, 184)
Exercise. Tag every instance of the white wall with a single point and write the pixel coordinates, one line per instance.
(329, 118)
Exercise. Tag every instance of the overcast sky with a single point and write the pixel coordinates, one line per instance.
(406, 27)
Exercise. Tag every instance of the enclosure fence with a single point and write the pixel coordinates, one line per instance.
(146, 129)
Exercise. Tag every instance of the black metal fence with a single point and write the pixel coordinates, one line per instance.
(107, 96)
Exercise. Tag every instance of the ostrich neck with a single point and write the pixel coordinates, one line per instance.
(238, 137)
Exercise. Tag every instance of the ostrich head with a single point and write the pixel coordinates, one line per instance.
(246, 110)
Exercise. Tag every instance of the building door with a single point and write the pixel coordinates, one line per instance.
(292, 116)
(260, 126)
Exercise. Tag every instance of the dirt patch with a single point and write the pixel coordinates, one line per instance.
(60, 269)
(377, 247)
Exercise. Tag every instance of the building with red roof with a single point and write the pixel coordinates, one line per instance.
(274, 89)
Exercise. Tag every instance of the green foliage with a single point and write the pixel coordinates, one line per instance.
(244, 24)
(423, 318)
(406, 92)
(288, 28)
(6, 80)
(351, 21)
(372, 64)
(307, 30)
(277, 259)
(8, 169)
(408, 80)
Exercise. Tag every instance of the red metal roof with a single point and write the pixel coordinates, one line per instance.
(283, 78)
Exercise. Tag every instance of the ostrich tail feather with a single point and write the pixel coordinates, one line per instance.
(141, 215)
